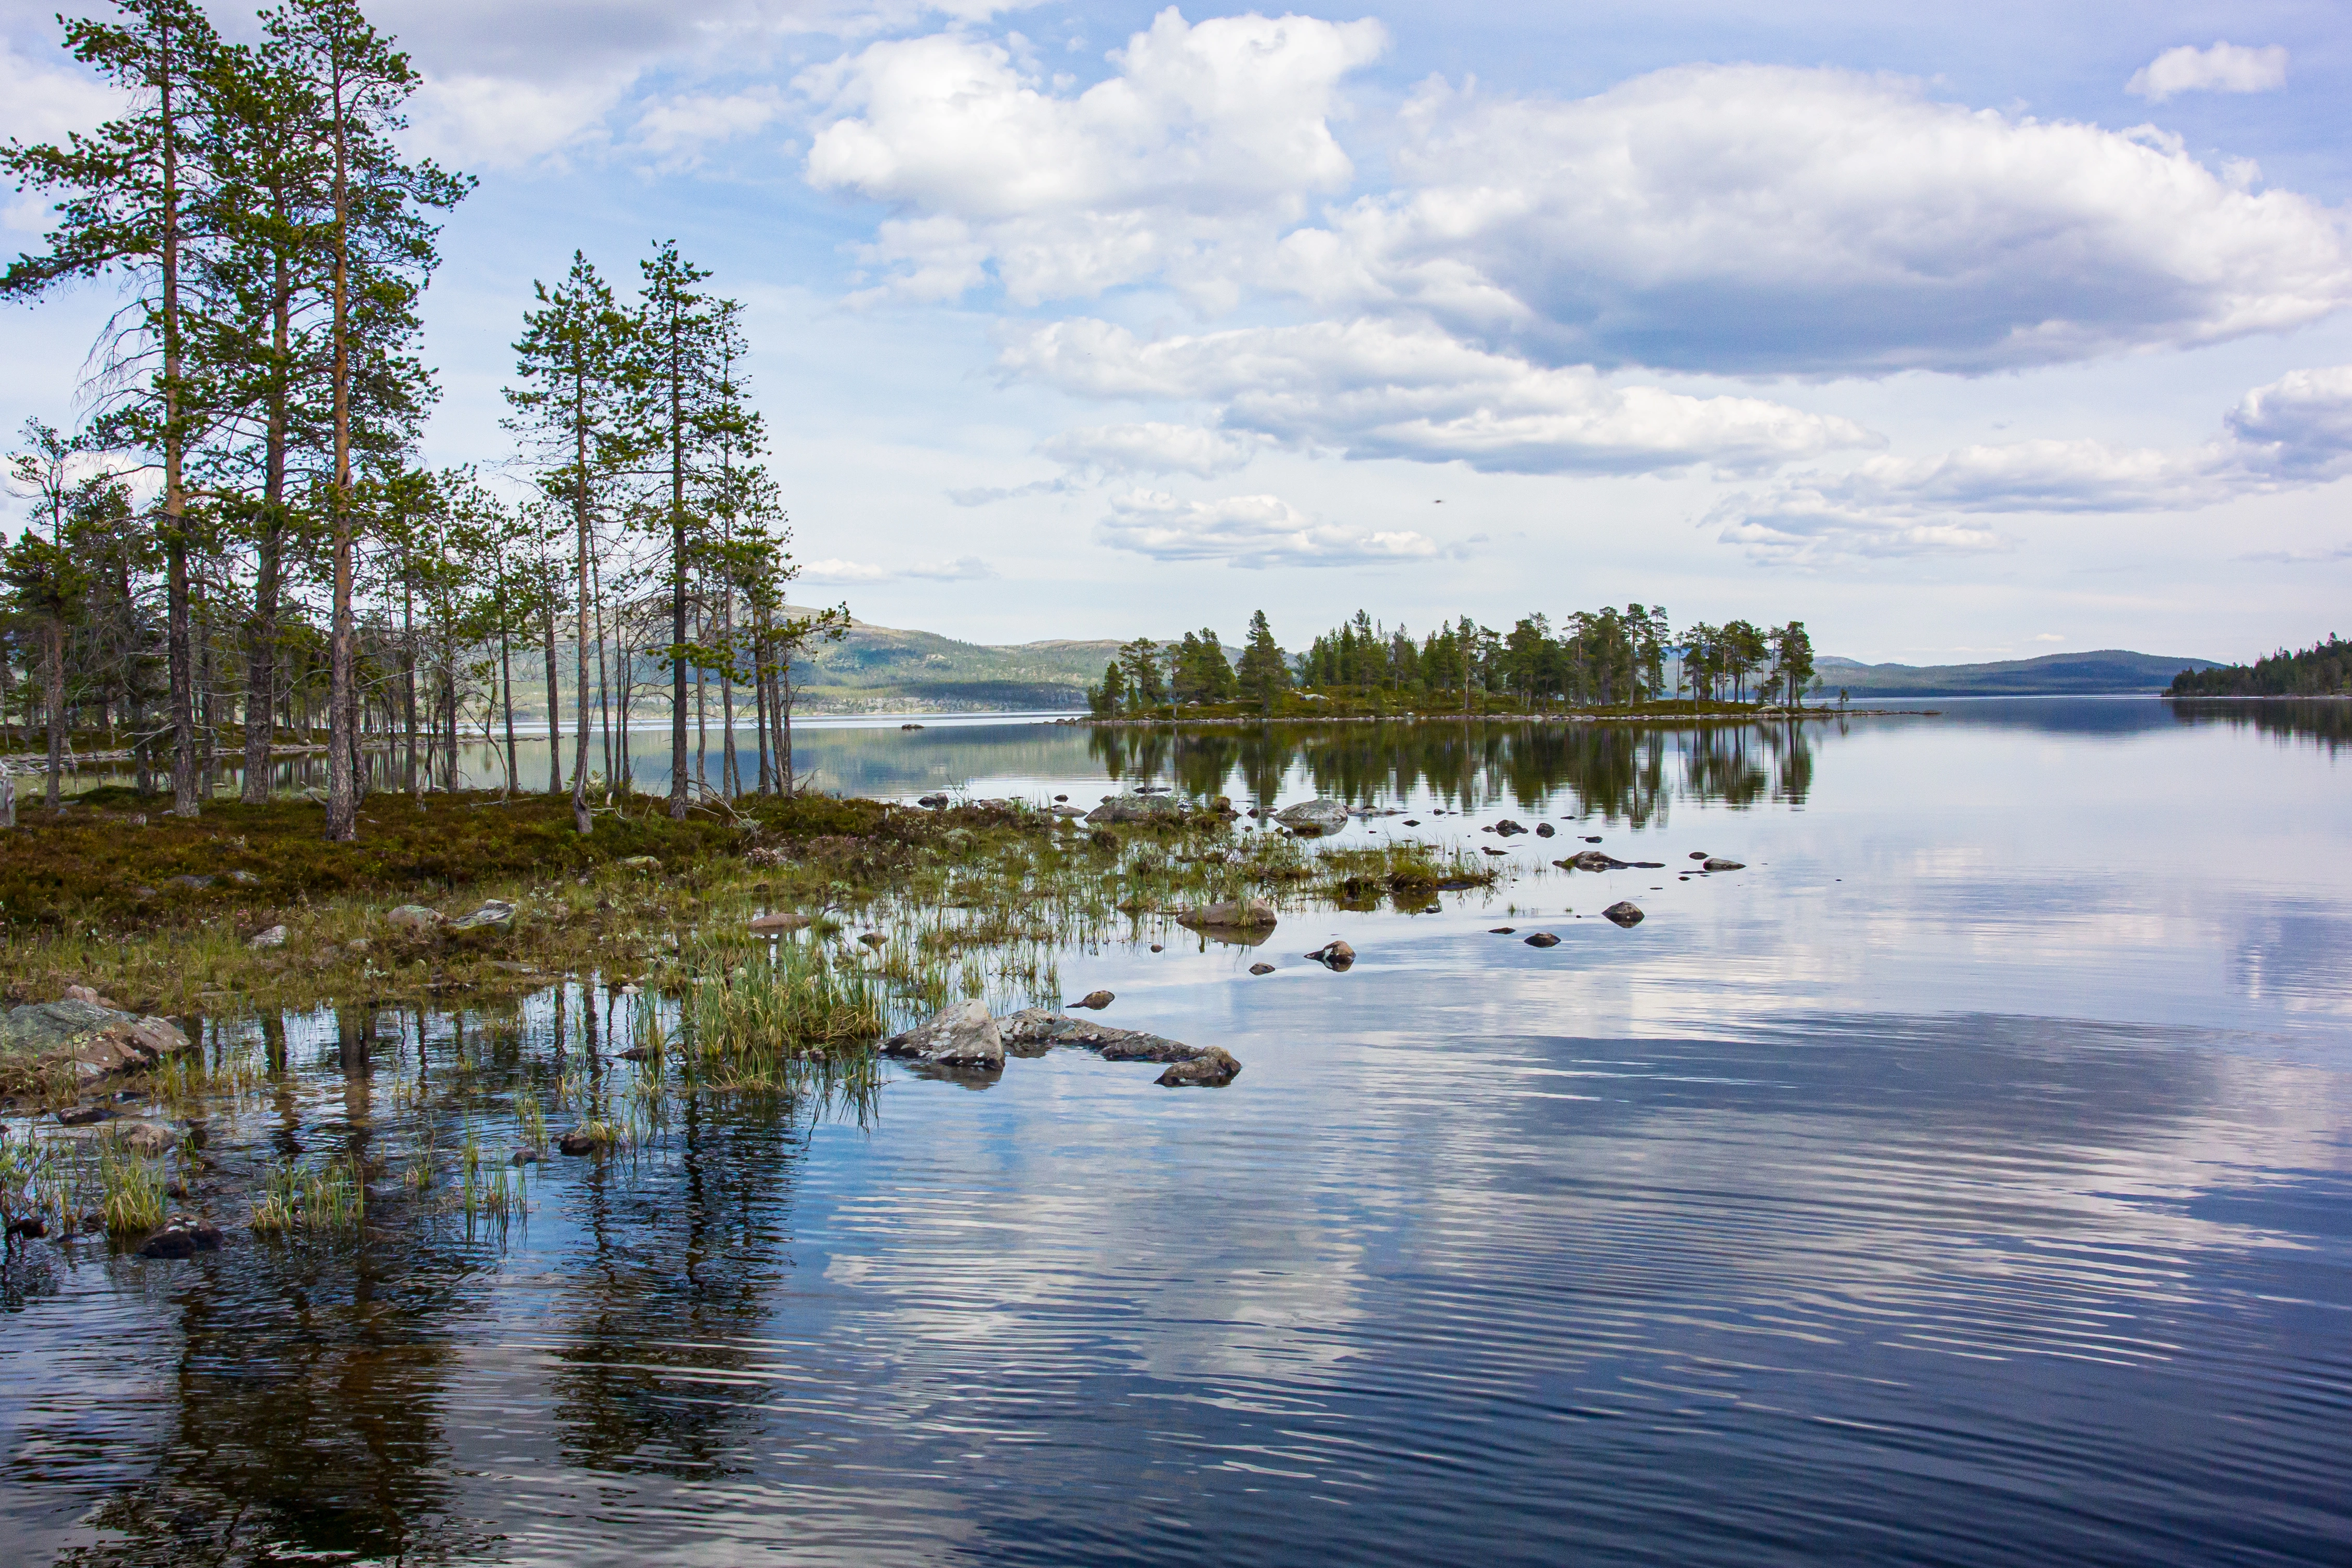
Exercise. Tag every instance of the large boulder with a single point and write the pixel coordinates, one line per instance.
(1232, 915)
(96, 1040)
(1137, 807)
(1213, 1068)
(960, 1035)
(1314, 817)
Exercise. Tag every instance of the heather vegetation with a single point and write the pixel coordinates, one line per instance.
(1601, 658)
(241, 548)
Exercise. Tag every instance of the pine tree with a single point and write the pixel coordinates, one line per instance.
(574, 405)
(1264, 671)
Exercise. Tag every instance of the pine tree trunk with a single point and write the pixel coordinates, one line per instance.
(581, 819)
(506, 688)
(53, 794)
(342, 641)
(554, 704)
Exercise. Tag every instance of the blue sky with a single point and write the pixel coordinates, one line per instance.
(1962, 331)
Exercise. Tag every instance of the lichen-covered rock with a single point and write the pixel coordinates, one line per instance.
(96, 1040)
(1234, 913)
(1137, 807)
(1317, 816)
(960, 1034)
(494, 914)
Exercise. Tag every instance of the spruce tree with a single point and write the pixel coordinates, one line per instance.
(1264, 671)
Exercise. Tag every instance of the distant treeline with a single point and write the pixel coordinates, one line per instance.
(2324, 669)
(1603, 658)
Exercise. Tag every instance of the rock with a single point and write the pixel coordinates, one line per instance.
(933, 802)
(243, 878)
(526, 1157)
(493, 916)
(413, 917)
(635, 1054)
(872, 938)
(1068, 814)
(779, 920)
(960, 1034)
(1157, 948)
(1491, 850)
(1501, 930)
(1412, 822)
(1699, 854)
(1592, 859)
(1592, 838)
(1153, 789)
(96, 1040)
(29, 1225)
(910, 727)
(1261, 968)
(576, 1142)
(85, 994)
(1543, 939)
(1232, 914)
(1137, 807)
(1060, 799)
(357, 945)
(183, 1237)
(273, 937)
(1507, 827)
(1544, 830)
(148, 1140)
(194, 883)
(1334, 955)
(1317, 816)
(1097, 999)
(633, 989)
(87, 1115)
(1715, 862)
(639, 863)
(1624, 912)
(1213, 1068)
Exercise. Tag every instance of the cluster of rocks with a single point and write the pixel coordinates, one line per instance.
(92, 1033)
(963, 1037)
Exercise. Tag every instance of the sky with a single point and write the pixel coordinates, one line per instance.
(1957, 332)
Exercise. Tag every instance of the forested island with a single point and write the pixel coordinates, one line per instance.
(1630, 659)
(2322, 670)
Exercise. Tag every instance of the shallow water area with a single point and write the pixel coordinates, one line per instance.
(1963, 1180)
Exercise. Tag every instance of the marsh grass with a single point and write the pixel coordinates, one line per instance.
(319, 1201)
(131, 1190)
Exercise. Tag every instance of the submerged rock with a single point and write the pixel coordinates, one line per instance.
(960, 1034)
(1234, 913)
(183, 1237)
(1213, 1068)
(1624, 912)
(1097, 999)
(1317, 816)
(148, 1140)
(779, 921)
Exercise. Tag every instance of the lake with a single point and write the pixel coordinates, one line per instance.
(1967, 1180)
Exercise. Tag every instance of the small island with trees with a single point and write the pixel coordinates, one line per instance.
(2322, 670)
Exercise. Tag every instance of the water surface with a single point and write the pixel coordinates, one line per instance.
(1965, 1182)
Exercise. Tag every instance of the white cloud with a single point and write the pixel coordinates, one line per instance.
(1768, 220)
(1247, 531)
(2224, 68)
(500, 123)
(1208, 136)
(836, 570)
(1375, 388)
(1153, 448)
(42, 97)
(677, 128)
(2294, 433)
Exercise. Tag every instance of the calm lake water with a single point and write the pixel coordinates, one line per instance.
(1967, 1181)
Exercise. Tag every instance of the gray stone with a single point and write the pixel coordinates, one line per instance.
(96, 1040)
(413, 917)
(1261, 968)
(779, 921)
(1232, 914)
(273, 937)
(1543, 939)
(1211, 1069)
(960, 1034)
(243, 878)
(1097, 999)
(1593, 860)
(1624, 912)
(494, 915)
(1317, 816)
(189, 881)
(149, 1140)
(1715, 862)
(1137, 807)
(1544, 830)
(1335, 954)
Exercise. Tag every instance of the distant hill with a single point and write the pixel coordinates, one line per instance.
(2103, 672)
(883, 669)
